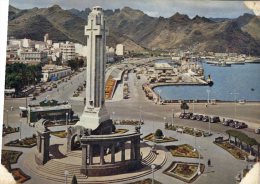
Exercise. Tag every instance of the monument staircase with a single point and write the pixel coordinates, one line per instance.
(54, 169)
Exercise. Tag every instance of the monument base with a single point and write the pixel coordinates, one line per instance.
(91, 118)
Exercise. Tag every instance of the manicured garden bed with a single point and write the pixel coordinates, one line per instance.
(10, 130)
(146, 181)
(121, 131)
(128, 122)
(13, 156)
(187, 172)
(60, 134)
(19, 175)
(233, 150)
(183, 150)
(187, 130)
(151, 137)
(27, 142)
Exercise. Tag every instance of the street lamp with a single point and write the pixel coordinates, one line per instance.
(159, 97)
(66, 173)
(209, 125)
(153, 167)
(172, 116)
(195, 139)
(67, 122)
(208, 91)
(113, 116)
(7, 118)
(193, 107)
(140, 113)
(20, 130)
(235, 102)
(199, 160)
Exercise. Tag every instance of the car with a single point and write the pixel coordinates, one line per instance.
(234, 124)
(187, 115)
(227, 122)
(257, 131)
(240, 125)
(214, 119)
(199, 117)
(193, 117)
(205, 119)
(181, 115)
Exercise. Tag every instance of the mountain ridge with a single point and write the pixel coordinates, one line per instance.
(140, 31)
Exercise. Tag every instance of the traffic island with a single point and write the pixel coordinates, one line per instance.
(10, 155)
(151, 137)
(183, 150)
(60, 134)
(233, 150)
(187, 172)
(19, 175)
(27, 142)
(128, 122)
(146, 181)
(121, 131)
(10, 130)
(186, 130)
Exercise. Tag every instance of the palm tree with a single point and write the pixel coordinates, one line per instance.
(184, 106)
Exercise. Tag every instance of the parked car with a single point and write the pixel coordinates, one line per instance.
(233, 124)
(214, 119)
(257, 131)
(205, 119)
(240, 125)
(227, 122)
(181, 115)
(187, 115)
(193, 117)
(199, 117)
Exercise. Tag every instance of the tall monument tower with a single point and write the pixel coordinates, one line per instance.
(95, 112)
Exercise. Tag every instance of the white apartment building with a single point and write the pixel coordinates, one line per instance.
(120, 48)
(54, 72)
(80, 49)
(68, 51)
(33, 57)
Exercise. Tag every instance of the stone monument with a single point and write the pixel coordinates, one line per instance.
(95, 115)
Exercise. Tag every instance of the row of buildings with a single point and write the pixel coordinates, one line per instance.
(33, 52)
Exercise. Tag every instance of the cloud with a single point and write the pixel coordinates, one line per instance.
(165, 8)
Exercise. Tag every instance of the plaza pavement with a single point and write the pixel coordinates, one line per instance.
(225, 167)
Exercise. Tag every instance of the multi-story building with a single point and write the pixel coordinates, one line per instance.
(54, 72)
(33, 57)
(68, 51)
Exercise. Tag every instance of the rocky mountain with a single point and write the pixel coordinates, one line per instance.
(138, 31)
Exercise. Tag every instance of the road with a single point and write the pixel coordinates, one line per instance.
(138, 104)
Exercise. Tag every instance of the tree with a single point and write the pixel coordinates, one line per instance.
(184, 106)
(74, 180)
(158, 134)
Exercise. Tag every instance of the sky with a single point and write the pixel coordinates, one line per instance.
(155, 8)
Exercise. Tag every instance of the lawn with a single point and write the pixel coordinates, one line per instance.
(121, 131)
(233, 150)
(150, 137)
(187, 172)
(27, 142)
(146, 181)
(186, 130)
(183, 150)
(60, 134)
(19, 175)
(13, 156)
